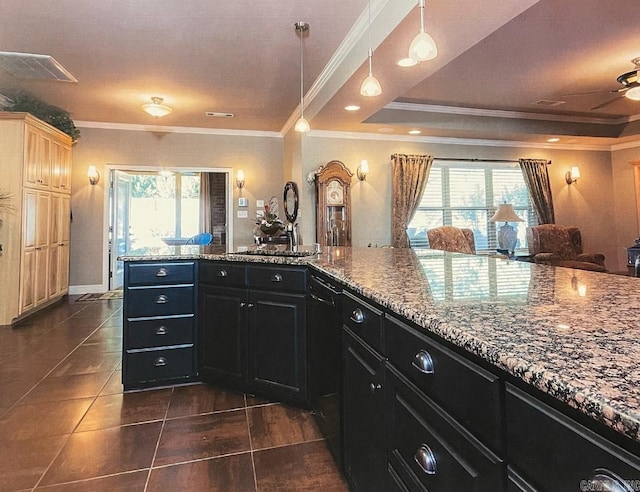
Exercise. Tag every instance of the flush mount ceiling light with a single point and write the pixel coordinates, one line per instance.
(406, 62)
(156, 108)
(370, 86)
(302, 125)
(352, 107)
(423, 47)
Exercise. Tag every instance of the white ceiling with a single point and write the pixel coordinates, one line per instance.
(496, 59)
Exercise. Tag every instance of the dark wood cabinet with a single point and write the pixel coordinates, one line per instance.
(363, 416)
(159, 323)
(252, 330)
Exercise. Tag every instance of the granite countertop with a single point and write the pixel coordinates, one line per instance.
(573, 334)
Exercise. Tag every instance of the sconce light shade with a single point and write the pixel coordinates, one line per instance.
(156, 108)
(240, 179)
(93, 175)
(573, 175)
(363, 170)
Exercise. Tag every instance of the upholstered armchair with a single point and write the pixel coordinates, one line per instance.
(558, 245)
(453, 239)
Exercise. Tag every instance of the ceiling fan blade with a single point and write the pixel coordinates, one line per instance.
(612, 91)
(606, 103)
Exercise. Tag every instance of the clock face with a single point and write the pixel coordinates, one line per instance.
(335, 193)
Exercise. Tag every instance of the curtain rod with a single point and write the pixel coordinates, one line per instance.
(473, 160)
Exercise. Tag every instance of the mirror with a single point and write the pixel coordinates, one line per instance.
(291, 201)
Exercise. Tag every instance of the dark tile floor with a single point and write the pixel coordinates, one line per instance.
(65, 424)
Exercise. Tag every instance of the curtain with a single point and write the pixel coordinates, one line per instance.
(536, 176)
(410, 175)
(206, 222)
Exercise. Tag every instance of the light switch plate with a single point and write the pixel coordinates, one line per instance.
(260, 203)
(243, 202)
(243, 214)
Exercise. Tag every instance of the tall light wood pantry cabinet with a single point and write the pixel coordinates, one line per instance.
(35, 171)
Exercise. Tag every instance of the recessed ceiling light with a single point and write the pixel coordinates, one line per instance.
(385, 129)
(406, 62)
(553, 139)
(352, 107)
(414, 132)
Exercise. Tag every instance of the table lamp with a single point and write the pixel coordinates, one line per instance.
(507, 236)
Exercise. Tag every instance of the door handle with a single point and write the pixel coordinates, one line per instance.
(426, 459)
(423, 362)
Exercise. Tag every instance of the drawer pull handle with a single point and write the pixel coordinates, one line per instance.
(160, 361)
(373, 387)
(222, 273)
(357, 316)
(276, 277)
(426, 460)
(162, 299)
(162, 272)
(162, 330)
(423, 362)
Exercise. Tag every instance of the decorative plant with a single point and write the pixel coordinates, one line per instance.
(269, 223)
(55, 116)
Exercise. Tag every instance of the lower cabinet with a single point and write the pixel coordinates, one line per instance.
(252, 329)
(363, 416)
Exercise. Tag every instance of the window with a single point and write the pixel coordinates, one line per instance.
(463, 194)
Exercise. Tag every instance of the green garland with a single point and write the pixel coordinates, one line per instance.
(27, 103)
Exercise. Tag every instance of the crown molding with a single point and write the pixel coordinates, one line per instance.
(498, 113)
(626, 145)
(176, 129)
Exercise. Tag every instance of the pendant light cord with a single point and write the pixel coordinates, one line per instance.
(421, 15)
(370, 48)
(301, 75)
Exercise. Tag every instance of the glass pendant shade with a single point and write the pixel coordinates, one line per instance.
(302, 125)
(157, 109)
(423, 48)
(370, 86)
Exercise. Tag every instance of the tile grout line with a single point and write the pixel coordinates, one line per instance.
(253, 461)
(155, 451)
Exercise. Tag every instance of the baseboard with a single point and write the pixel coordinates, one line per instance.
(85, 289)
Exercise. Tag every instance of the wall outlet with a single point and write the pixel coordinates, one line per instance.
(242, 249)
(243, 214)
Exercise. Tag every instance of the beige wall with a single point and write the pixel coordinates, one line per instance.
(588, 204)
(602, 200)
(261, 158)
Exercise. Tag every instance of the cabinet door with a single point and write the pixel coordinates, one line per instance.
(31, 158)
(63, 254)
(54, 245)
(363, 417)
(41, 283)
(277, 345)
(222, 340)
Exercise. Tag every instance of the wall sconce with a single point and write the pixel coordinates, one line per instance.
(573, 175)
(363, 170)
(240, 179)
(93, 175)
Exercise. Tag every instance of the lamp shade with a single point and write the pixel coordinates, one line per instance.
(370, 87)
(423, 48)
(505, 213)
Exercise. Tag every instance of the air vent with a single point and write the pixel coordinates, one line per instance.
(5, 102)
(31, 66)
(547, 103)
(219, 115)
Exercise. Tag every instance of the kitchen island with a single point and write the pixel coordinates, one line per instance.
(567, 337)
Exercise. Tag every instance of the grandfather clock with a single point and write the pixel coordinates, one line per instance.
(333, 205)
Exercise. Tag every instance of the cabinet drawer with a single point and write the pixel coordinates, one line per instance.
(223, 274)
(363, 319)
(556, 453)
(160, 273)
(158, 332)
(159, 301)
(161, 364)
(430, 451)
(278, 278)
(466, 391)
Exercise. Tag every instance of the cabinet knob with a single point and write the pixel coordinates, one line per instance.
(160, 361)
(161, 330)
(425, 459)
(250, 305)
(374, 387)
(162, 272)
(162, 299)
(243, 304)
(222, 273)
(357, 316)
(276, 277)
(423, 362)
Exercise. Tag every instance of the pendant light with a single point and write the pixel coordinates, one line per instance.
(370, 86)
(423, 47)
(302, 125)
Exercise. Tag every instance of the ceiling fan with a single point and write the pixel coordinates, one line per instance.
(630, 87)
